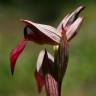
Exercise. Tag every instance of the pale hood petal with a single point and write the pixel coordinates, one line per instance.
(71, 32)
(69, 20)
(49, 32)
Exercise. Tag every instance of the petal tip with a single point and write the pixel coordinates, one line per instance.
(80, 8)
(15, 54)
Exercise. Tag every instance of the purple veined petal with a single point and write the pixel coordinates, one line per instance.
(71, 32)
(73, 16)
(52, 86)
(46, 33)
(39, 76)
(62, 56)
(15, 54)
(69, 19)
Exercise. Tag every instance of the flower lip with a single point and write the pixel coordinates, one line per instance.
(15, 54)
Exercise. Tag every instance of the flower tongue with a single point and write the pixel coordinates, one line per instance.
(15, 54)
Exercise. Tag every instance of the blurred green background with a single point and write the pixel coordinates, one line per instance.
(80, 78)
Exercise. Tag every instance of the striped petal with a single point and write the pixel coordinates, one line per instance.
(43, 34)
(39, 72)
(69, 20)
(73, 29)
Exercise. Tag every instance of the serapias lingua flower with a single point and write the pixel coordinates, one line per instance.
(45, 34)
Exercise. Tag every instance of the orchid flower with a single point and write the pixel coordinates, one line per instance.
(49, 69)
(45, 34)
